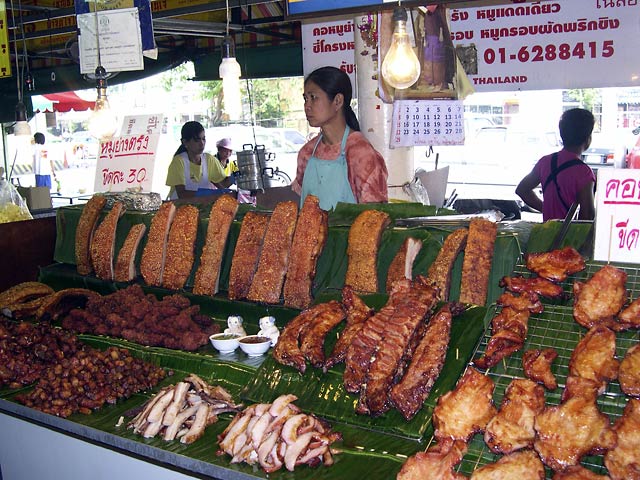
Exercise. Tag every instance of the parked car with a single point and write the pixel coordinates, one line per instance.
(290, 135)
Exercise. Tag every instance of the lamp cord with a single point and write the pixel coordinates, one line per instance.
(15, 52)
(227, 4)
(97, 34)
(24, 43)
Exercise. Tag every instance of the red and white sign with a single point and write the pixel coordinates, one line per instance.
(550, 44)
(617, 216)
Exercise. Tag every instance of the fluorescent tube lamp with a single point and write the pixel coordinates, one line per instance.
(103, 122)
(400, 67)
(230, 74)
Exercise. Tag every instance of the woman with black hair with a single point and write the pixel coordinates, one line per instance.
(339, 164)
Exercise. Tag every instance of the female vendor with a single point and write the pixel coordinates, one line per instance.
(338, 165)
(193, 172)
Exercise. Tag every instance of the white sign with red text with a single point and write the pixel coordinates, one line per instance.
(137, 124)
(617, 216)
(549, 44)
(126, 163)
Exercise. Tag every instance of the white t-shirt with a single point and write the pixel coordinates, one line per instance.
(41, 162)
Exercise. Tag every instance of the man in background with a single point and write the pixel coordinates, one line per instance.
(42, 164)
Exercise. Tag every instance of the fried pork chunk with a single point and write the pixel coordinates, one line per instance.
(537, 366)
(578, 472)
(439, 272)
(465, 410)
(555, 265)
(181, 247)
(600, 298)
(402, 264)
(567, 432)
(84, 232)
(538, 285)
(154, 252)
(623, 461)
(520, 465)
(437, 463)
(478, 257)
(512, 428)
(630, 316)
(525, 301)
(365, 235)
(594, 357)
(629, 374)
(246, 254)
(509, 331)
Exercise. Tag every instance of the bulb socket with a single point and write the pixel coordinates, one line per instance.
(228, 48)
(400, 15)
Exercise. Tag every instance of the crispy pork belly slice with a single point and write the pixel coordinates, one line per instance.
(555, 265)
(466, 409)
(478, 257)
(599, 299)
(623, 461)
(537, 366)
(287, 350)
(365, 235)
(180, 247)
(593, 357)
(154, 252)
(61, 302)
(357, 314)
(402, 264)
(512, 428)
(437, 463)
(439, 272)
(104, 242)
(308, 241)
(427, 361)
(313, 334)
(84, 232)
(268, 280)
(246, 254)
(629, 373)
(125, 270)
(24, 292)
(221, 216)
(524, 464)
(509, 331)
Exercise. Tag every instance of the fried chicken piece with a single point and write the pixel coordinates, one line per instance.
(478, 257)
(630, 316)
(623, 461)
(600, 298)
(437, 463)
(365, 235)
(567, 432)
(578, 472)
(439, 272)
(593, 357)
(525, 301)
(537, 366)
(246, 254)
(524, 465)
(402, 263)
(84, 232)
(313, 333)
(539, 285)
(512, 428)
(465, 410)
(555, 265)
(629, 374)
(509, 331)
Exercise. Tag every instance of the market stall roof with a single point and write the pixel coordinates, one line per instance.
(60, 102)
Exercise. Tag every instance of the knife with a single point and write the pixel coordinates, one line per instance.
(565, 226)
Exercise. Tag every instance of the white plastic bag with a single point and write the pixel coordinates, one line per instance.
(12, 206)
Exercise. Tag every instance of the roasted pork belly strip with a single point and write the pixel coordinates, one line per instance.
(439, 272)
(357, 314)
(313, 334)
(267, 283)
(154, 252)
(409, 394)
(402, 264)
(221, 216)
(478, 256)
(246, 254)
(104, 241)
(365, 235)
(287, 350)
(125, 270)
(84, 232)
(180, 247)
(308, 241)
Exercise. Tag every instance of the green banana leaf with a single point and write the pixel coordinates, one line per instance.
(345, 213)
(543, 234)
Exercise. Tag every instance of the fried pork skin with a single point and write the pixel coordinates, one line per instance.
(125, 270)
(537, 366)
(524, 464)
(512, 428)
(313, 334)
(623, 461)
(465, 410)
(365, 235)
(437, 463)
(221, 215)
(593, 357)
(478, 257)
(567, 432)
(439, 272)
(24, 292)
(427, 361)
(246, 254)
(402, 263)
(104, 241)
(154, 252)
(84, 232)
(555, 265)
(538, 285)
(599, 299)
(629, 374)
(266, 285)
(308, 242)
(181, 245)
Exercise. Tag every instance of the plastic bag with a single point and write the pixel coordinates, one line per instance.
(12, 206)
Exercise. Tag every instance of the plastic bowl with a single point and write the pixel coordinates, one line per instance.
(225, 342)
(254, 345)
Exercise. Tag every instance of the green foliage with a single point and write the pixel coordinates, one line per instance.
(174, 77)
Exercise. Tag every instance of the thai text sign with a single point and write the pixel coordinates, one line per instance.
(126, 163)
(617, 216)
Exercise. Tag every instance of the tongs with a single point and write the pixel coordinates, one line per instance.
(565, 226)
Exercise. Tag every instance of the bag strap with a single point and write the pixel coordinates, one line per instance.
(553, 175)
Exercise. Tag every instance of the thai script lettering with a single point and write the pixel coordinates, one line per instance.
(622, 191)
(627, 236)
(551, 27)
(126, 145)
(339, 30)
(524, 11)
(320, 46)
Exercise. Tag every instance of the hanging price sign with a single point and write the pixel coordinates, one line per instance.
(427, 122)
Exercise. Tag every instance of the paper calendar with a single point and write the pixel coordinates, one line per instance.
(427, 122)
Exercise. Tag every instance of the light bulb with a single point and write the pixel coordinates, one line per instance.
(401, 67)
(21, 126)
(103, 122)
(230, 74)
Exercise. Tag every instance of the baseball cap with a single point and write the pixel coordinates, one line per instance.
(224, 143)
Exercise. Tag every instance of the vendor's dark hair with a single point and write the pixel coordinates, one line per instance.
(576, 126)
(38, 137)
(332, 81)
(190, 131)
